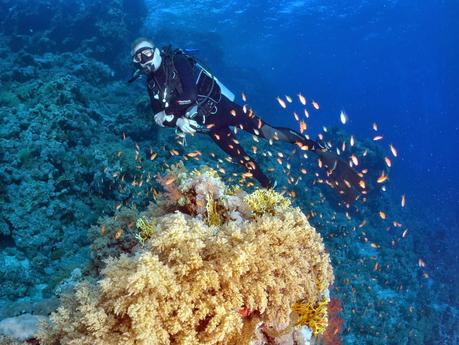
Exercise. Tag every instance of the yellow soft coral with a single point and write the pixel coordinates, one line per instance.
(189, 282)
(145, 230)
(265, 200)
(313, 315)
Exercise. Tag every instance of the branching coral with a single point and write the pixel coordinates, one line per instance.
(190, 281)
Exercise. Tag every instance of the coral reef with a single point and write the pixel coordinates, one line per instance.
(194, 282)
(73, 25)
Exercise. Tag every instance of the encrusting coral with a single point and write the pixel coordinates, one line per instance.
(199, 278)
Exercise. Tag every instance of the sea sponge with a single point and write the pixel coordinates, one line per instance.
(195, 283)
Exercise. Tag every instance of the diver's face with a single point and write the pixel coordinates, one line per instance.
(148, 59)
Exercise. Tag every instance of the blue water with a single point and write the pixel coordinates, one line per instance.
(394, 63)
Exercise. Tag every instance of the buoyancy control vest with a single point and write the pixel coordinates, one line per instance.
(209, 88)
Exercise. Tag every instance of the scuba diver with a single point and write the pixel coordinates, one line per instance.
(185, 96)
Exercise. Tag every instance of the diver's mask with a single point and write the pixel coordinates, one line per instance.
(148, 59)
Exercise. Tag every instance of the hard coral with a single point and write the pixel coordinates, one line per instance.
(190, 281)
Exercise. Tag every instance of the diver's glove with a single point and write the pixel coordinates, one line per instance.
(186, 125)
(161, 117)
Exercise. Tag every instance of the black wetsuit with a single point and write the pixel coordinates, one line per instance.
(188, 85)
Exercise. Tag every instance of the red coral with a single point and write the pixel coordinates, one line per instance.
(331, 335)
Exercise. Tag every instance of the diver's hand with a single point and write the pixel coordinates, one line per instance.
(161, 117)
(186, 125)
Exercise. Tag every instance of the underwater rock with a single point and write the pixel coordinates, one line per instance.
(21, 327)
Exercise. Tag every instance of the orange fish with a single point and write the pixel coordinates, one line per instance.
(354, 160)
(382, 215)
(388, 162)
(302, 126)
(382, 178)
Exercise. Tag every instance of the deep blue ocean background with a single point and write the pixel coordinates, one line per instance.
(65, 107)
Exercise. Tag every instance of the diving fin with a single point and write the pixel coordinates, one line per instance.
(342, 177)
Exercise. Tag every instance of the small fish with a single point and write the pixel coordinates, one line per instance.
(403, 200)
(376, 266)
(194, 154)
(421, 263)
(306, 113)
(382, 178)
(315, 105)
(362, 184)
(374, 245)
(375, 126)
(382, 215)
(354, 160)
(405, 232)
(210, 125)
(244, 108)
(153, 156)
(302, 126)
(288, 98)
(302, 99)
(281, 102)
(393, 150)
(297, 118)
(343, 117)
(118, 234)
(169, 181)
(352, 141)
(388, 162)
(303, 171)
(244, 97)
(378, 137)
(233, 112)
